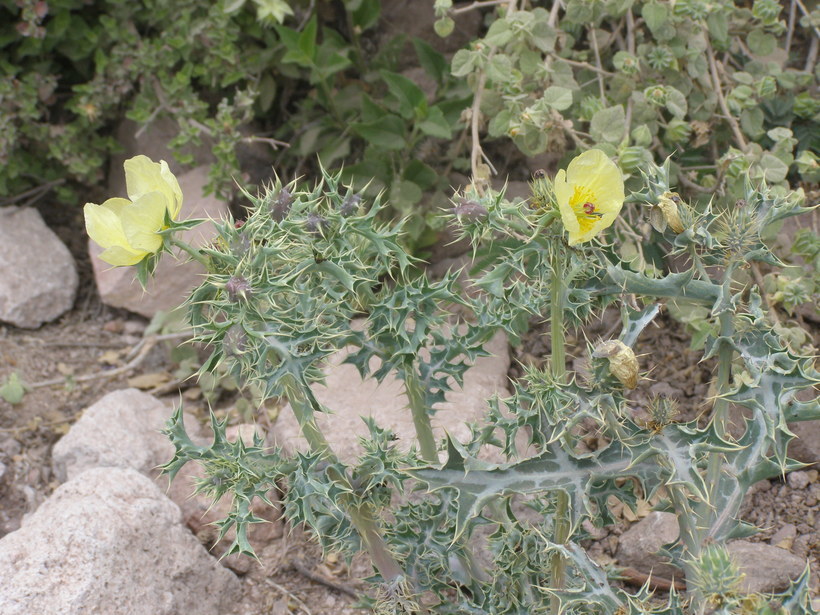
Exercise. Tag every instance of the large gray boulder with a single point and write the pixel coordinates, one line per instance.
(110, 542)
(121, 430)
(38, 277)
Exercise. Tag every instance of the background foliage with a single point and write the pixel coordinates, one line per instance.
(727, 86)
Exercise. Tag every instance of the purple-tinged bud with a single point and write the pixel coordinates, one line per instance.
(350, 205)
(238, 289)
(235, 341)
(539, 174)
(316, 224)
(280, 208)
(470, 210)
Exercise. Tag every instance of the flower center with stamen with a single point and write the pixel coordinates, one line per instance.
(582, 203)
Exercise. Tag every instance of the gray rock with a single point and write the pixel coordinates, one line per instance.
(784, 537)
(349, 398)
(121, 430)
(638, 546)
(806, 446)
(173, 279)
(765, 568)
(38, 277)
(110, 542)
(798, 480)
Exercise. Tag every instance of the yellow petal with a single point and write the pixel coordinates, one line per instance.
(590, 177)
(142, 175)
(563, 194)
(122, 257)
(171, 180)
(142, 219)
(103, 223)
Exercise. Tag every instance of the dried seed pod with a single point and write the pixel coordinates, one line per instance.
(666, 212)
(622, 361)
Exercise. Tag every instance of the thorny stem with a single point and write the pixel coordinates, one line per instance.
(421, 419)
(721, 406)
(558, 366)
(191, 250)
(360, 515)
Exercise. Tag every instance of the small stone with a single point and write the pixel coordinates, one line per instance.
(133, 327)
(763, 485)
(113, 326)
(784, 537)
(798, 480)
(9, 447)
(801, 546)
(638, 546)
(38, 277)
(765, 568)
(806, 446)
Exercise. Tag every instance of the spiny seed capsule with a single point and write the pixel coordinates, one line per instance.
(350, 205)
(281, 205)
(470, 210)
(238, 288)
(316, 224)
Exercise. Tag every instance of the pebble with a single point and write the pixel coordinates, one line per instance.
(784, 537)
(763, 485)
(9, 447)
(799, 480)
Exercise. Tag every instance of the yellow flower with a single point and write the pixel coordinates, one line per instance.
(127, 229)
(590, 195)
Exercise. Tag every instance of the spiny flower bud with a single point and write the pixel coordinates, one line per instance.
(281, 205)
(316, 224)
(666, 213)
(622, 361)
(240, 245)
(470, 210)
(662, 411)
(235, 341)
(238, 288)
(350, 205)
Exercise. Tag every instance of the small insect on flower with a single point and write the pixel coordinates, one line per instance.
(127, 229)
(590, 194)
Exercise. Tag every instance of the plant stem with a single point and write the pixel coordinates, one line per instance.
(191, 250)
(558, 366)
(359, 512)
(421, 419)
